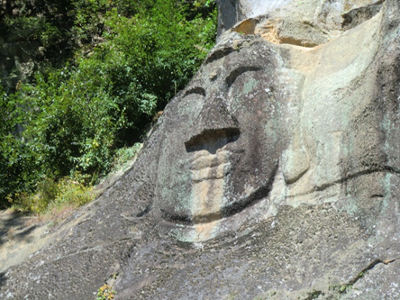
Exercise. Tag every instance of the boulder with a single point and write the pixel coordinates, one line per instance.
(273, 175)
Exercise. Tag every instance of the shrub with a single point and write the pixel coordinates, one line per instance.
(19, 166)
(77, 117)
(51, 195)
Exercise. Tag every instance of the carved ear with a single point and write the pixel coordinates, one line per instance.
(295, 162)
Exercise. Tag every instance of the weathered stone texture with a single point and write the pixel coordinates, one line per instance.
(273, 175)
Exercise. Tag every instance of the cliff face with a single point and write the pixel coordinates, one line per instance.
(329, 15)
(273, 175)
(233, 11)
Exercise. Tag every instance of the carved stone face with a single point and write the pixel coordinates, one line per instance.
(221, 147)
(277, 101)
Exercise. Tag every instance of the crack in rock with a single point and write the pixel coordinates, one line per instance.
(344, 287)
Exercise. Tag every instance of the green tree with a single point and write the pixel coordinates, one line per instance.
(137, 56)
(19, 166)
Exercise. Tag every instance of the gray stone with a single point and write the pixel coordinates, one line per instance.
(226, 15)
(273, 175)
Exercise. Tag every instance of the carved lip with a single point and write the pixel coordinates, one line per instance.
(203, 158)
(210, 156)
(205, 166)
(218, 172)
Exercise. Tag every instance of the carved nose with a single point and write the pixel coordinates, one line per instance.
(215, 115)
(215, 128)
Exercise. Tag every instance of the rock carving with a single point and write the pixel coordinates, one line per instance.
(273, 175)
(225, 157)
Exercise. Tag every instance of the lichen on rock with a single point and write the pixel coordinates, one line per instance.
(273, 175)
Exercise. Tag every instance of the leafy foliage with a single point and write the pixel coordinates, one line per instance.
(128, 60)
(18, 164)
(105, 293)
(51, 196)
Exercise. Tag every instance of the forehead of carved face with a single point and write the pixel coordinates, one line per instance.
(223, 138)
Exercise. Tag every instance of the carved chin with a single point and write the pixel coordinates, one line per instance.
(211, 209)
(212, 216)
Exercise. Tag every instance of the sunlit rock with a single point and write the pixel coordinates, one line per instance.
(273, 175)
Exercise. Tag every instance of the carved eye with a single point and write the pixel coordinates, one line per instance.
(243, 84)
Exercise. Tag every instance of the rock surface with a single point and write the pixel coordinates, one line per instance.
(273, 175)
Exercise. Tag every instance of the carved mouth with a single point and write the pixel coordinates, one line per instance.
(212, 160)
(206, 166)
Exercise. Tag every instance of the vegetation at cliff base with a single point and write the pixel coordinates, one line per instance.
(103, 68)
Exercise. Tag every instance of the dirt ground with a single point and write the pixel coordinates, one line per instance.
(20, 236)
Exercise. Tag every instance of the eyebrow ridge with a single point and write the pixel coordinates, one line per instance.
(230, 79)
(195, 90)
(218, 54)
